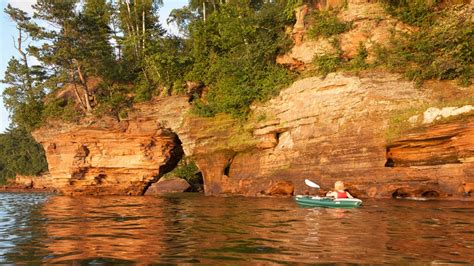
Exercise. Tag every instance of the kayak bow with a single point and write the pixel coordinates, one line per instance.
(328, 202)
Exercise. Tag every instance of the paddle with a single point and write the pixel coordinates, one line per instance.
(310, 183)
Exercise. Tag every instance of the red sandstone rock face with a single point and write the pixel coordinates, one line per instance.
(114, 158)
(333, 129)
(451, 143)
(321, 129)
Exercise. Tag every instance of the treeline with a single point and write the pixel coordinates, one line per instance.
(20, 154)
(227, 46)
(97, 57)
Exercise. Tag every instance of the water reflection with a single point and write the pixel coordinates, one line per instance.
(196, 229)
(120, 228)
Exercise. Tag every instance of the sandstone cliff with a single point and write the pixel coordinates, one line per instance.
(322, 129)
(111, 157)
(374, 130)
(336, 129)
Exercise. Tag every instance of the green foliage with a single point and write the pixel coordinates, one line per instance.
(439, 51)
(230, 47)
(139, 24)
(24, 92)
(143, 89)
(237, 87)
(290, 7)
(114, 100)
(188, 171)
(359, 61)
(23, 95)
(327, 63)
(62, 109)
(182, 18)
(168, 62)
(326, 23)
(234, 52)
(413, 12)
(20, 154)
(334, 61)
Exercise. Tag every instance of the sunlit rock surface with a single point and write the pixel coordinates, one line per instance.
(336, 129)
(110, 157)
(341, 127)
(321, 129)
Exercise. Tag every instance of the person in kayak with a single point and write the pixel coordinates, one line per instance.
(339, 191)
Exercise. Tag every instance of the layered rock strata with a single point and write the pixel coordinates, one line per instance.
(370, 26)
(114, 157)
(334, 129)
(321, 129)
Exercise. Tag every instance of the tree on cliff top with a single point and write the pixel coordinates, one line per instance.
(24, 92)
(233, 52)
(75, 46)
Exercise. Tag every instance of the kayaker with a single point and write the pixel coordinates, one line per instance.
(339, 191)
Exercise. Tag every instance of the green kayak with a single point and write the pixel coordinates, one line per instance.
(315, 201)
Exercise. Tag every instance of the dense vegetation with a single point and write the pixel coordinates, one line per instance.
(99, 57)
(20, 154)
(440, 49)
(228, 46)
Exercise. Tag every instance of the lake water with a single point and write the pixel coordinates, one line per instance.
(191, 228)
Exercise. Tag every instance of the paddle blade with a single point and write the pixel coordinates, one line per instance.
(311, 183)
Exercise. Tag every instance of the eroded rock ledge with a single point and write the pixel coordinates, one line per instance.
(335, 129)
(321, 129)
(107, 157)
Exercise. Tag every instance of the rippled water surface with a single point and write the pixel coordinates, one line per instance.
(191, 228)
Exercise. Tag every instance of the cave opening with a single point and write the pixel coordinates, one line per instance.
(389, 162)
(227, 167)
(179, 166)
(400, 193)
(277, 136)
(430, 194)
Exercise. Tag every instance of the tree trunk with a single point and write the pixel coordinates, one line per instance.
(24, 58)
(204, 10)
(131, 26)
(85, 88)
(137, 28)
(76, 92)
(143, 29)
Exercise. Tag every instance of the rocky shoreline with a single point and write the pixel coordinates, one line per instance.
(321, 129)
(383, 135)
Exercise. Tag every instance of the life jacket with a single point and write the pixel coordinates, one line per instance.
(341, 195)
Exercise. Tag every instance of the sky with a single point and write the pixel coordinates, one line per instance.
(8, 31)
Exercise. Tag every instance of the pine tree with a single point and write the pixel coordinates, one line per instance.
(140, 26)
(77, 45)
(24, 92)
